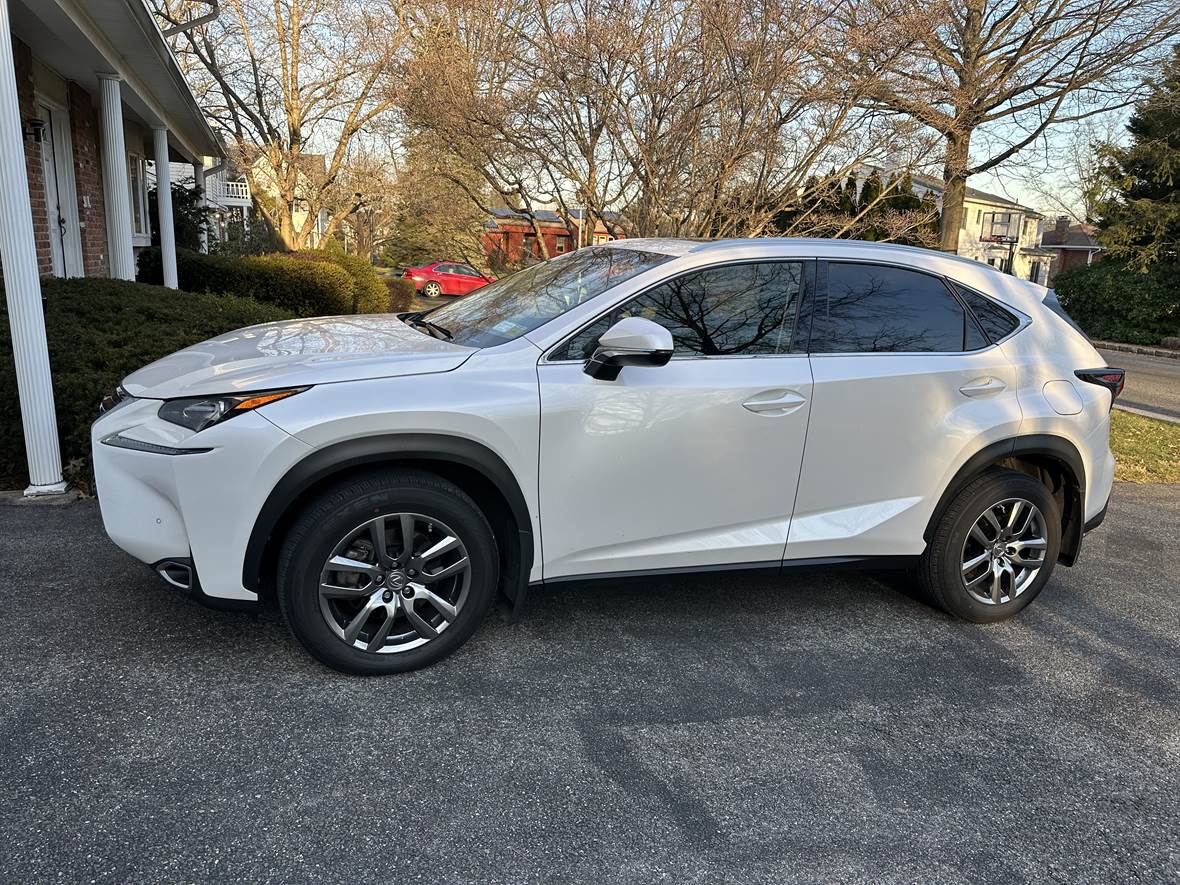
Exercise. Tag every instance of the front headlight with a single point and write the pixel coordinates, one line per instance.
(199, 412)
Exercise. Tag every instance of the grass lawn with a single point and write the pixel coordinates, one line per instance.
(1146, 450)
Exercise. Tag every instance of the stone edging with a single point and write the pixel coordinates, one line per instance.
(1141, 349)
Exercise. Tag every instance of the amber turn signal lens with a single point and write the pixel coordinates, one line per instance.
(262, 399)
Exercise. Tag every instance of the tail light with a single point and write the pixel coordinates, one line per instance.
(1112, 379)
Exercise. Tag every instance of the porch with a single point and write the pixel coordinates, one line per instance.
(92, 108)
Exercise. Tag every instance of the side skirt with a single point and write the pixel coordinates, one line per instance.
(854, 562)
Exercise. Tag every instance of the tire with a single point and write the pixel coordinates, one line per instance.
(983, 593)
(346, 524)
(432, 290)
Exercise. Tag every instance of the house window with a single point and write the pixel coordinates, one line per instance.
(1000, 226)
(136, 171)
(561, 245)
(978, 215)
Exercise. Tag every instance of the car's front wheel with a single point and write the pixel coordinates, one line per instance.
(387, 572)
(993, 548)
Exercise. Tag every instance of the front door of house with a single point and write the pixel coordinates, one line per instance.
(61, 206)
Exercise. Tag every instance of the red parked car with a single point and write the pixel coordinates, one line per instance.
(446, 278)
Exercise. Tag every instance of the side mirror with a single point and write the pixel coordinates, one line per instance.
(632, 341)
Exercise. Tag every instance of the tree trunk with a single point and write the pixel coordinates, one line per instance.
(954, 189)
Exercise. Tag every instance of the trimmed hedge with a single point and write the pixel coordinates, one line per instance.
(304, 288)
(401, 294)
(99, 332)
(1113, 302)
(368, 292)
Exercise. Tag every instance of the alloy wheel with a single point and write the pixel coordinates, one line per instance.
(394, 583)
(1004, 551)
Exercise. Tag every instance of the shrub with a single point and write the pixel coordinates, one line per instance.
(100, 331)
(401, 294)
(304, 288)
(1114, 302)
(368, 292)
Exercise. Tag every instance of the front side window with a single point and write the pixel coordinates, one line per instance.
(517, 304)
(879, 309)
(736, 310)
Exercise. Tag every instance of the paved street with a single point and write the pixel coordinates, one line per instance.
(1153, 382)
(822, 726)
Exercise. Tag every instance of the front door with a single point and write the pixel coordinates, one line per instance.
(690, 464)
(61, 208)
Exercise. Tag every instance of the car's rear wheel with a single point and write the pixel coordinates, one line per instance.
(432, 290)
(994, 547)
(387, 572)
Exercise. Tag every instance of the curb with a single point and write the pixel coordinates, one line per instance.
(1146, 414)
(1140, 349)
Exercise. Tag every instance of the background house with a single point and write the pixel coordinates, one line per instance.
(997, 231)
(90, 98)
(1071, 245)
(510, 238)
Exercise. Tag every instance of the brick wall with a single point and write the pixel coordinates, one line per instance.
(84, 129)
(23, 62)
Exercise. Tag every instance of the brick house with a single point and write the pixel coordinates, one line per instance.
(1072, 245)
(510, 238)
(92, 103)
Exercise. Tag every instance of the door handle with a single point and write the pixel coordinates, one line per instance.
(983, 387)
(774, 402)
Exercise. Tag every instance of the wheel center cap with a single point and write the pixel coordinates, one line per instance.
(396, 580)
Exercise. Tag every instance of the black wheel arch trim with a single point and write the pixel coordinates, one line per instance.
(340, 457)
(1059, 449)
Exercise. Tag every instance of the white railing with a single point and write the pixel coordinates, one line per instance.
(220, 189)
(235, 190)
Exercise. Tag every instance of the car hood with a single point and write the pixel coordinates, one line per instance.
(293, 353)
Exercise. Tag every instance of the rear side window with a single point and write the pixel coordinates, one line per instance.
(878, 309)
(996, 322)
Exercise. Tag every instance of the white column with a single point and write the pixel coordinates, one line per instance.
(22, 287)
(116, 186)
(164, 207)
(202, 202)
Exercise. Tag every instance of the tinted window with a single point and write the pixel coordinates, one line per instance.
(738, 310)
(996, 322)
(976, 340)
(873, 308)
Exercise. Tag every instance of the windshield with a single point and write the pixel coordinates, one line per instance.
(511, 307)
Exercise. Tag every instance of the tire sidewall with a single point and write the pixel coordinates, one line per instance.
(999, 488)
(301, 587)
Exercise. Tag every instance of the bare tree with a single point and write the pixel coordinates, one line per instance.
(654, 117)
(991, 76)
(1063, 170)
(293, 86)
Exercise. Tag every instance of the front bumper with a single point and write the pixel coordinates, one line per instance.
(181, 576)
(196, 507)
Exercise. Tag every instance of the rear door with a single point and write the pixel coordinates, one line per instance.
(906, 387)
(689, 464)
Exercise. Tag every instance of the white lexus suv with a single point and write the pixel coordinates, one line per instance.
(643, 407)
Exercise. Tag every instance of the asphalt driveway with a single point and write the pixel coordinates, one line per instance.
(819, 726)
